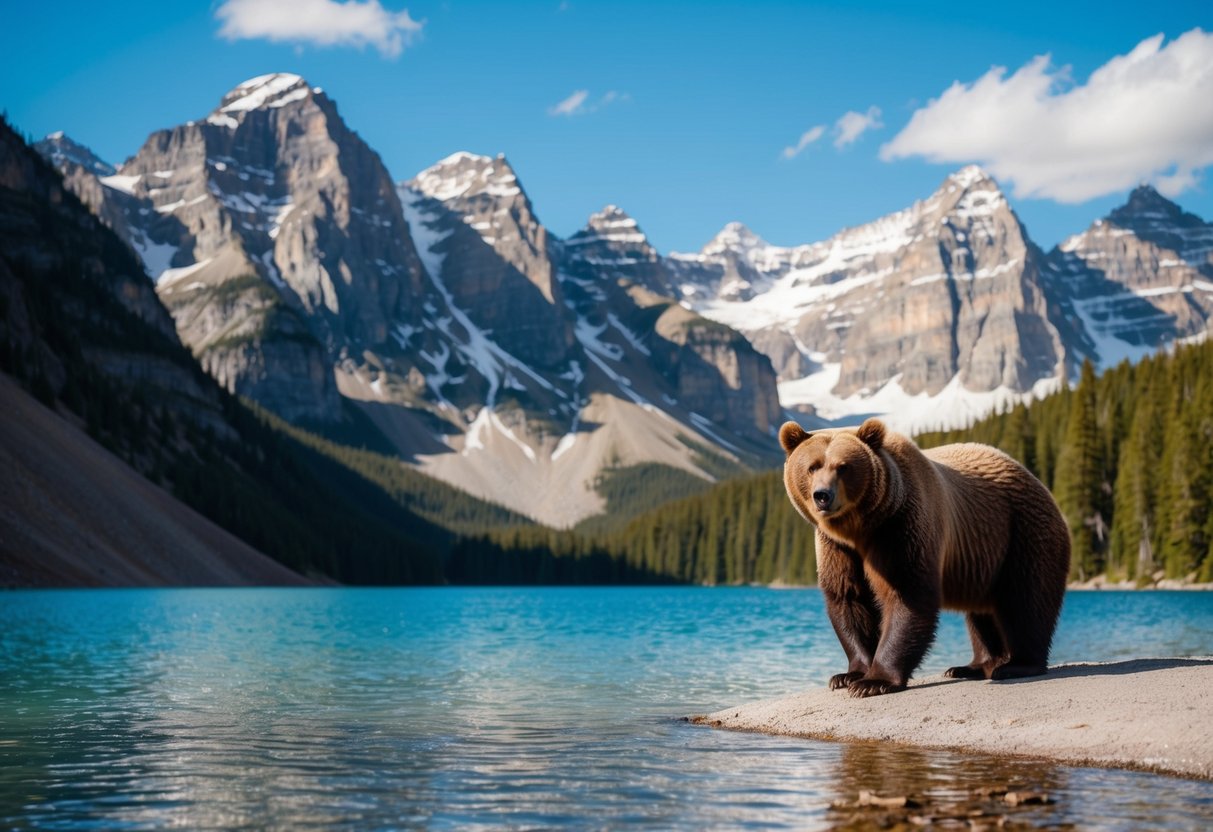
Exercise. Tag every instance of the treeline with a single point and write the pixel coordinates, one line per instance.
(741, 531)
(1129, 457)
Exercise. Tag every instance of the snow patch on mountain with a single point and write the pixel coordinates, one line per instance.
(463, 173)
(276, 89)
(953, 407)
(489, 359)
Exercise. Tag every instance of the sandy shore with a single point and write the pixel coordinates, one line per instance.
(1148, 714)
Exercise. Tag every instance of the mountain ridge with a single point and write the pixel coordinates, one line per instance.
(492, 354)
(434, 311)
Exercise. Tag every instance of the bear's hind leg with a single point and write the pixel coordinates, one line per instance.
(989, 651)
(1027, 633)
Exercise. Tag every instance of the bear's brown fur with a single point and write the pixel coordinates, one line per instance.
(902, 533)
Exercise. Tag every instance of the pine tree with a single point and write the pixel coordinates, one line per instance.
(1079, 477)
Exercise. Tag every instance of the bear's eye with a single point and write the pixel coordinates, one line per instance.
(840, 467)
(814, 467)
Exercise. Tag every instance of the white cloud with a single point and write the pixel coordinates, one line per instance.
(319, 22)
(1144, 116)
(806, 138)
(571, 106)
(576, 104)
(852, 125)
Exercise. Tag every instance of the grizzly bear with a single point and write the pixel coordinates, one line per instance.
(902, 533)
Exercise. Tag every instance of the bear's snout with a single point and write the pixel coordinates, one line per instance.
(823, 497)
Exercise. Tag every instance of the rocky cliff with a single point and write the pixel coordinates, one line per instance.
(948, 293)
(1139, 278)
(621, 282)
(439, 309)
(275, 238)
(564, 358)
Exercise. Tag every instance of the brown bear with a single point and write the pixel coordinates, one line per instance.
(902, 533)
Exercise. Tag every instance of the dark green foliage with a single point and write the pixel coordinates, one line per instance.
(741, 531)
(1080, 480)
(442, 505)
(538, 555)
(1129, 456)
(635, 489)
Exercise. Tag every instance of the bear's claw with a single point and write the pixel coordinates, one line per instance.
(844, 680)
(861, 688)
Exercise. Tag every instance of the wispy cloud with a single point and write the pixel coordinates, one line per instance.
(571, 106)
(320, 23)
(806, 138)
(852, 125)
(578, 104)
(1144, 116)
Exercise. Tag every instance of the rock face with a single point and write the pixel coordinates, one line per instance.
(496, 261)
(948, 289)
(275, 238)
(716, 374)
(1138, 278)
(563, 357)
(485, 350)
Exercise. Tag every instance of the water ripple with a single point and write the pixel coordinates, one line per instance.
(510, 708)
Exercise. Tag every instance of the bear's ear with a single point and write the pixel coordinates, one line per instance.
(871, 433)
(791, 435)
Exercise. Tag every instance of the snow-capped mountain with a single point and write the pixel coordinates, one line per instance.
(440, 317)
(940, 313)
(436, 309)
(1139, 278)
(566, 364)
(613, 241)
(61, 151)
(930, 314)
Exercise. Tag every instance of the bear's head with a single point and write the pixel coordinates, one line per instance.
(834, 477)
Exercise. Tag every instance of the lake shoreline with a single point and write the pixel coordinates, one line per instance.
(1142, 714)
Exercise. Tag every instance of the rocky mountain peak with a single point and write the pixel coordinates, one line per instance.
(1147, 206)
(736, 238)
(970, 193)
(60, 150)
(464, 175)
(1149, 216)
(272, 91)
(614, 227)
(614, 240)
(971, 175)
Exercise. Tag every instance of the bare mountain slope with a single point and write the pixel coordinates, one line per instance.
(73, 514)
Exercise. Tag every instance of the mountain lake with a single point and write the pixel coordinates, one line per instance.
(489, 708)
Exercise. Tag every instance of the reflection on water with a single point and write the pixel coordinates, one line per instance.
(495, 708)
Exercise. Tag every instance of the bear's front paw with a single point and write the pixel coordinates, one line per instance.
(844, 680)
(873, 687)
(965, 671)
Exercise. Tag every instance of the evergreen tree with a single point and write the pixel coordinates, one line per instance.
(1078, 480)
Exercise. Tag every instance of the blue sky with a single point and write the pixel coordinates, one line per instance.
(688, 114)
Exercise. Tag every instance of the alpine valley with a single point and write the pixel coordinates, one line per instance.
(437, 320)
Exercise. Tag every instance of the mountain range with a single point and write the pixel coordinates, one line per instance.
(439, 320)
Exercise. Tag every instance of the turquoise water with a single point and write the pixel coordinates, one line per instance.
(491, 708)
